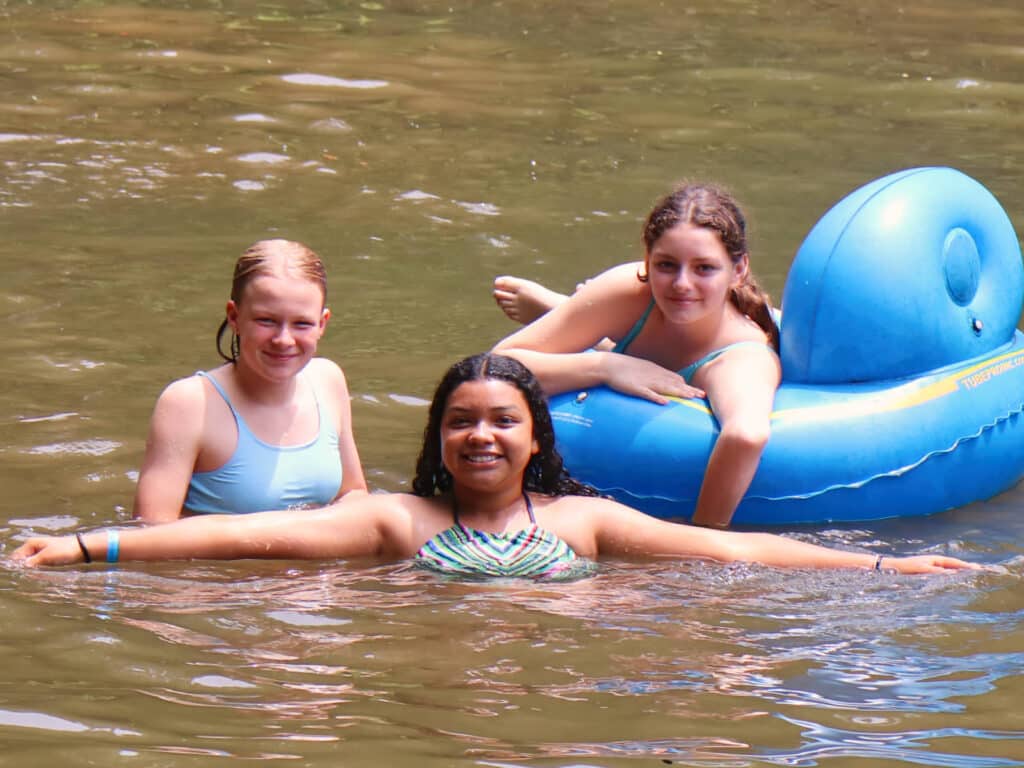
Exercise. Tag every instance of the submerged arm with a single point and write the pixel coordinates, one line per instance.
(355, 528)
(625, 532)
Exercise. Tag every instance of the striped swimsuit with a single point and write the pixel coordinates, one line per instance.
(530, 553)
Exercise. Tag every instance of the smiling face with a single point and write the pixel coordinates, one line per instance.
(279, 321)
(487, 437)
(690, 272)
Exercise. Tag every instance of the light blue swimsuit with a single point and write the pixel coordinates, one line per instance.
(260, 477)
(689, 371)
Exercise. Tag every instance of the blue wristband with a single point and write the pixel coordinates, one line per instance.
(113, 546)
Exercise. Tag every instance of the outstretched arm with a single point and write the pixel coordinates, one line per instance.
(622, 531)
(356, 528)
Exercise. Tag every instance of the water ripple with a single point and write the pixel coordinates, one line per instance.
(306, 78)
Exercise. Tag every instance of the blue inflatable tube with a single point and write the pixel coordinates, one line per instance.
(903, 373)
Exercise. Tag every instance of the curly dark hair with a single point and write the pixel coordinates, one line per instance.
(545, 473)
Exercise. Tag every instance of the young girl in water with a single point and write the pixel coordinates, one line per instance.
(490, 497)
(687, 321)
(272, 427)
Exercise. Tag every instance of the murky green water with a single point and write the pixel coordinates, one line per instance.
(421, 148)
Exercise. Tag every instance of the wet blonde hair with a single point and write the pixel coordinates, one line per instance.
(270, 257)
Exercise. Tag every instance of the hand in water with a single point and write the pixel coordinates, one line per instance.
(49, 550)
(926, 564)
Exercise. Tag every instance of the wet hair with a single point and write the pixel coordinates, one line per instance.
(270, 257)
(545, 473)
(711, 207)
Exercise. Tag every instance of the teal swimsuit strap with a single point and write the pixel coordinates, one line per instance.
(526, 498)
(628, 339)
(689, 371)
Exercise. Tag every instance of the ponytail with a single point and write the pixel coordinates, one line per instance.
(232, 345)
(752, 301)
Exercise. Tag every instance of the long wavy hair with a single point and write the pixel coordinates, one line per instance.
(711, 207)
(265, 257)
(546, 471)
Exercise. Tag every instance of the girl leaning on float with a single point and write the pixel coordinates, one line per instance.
(688, 321)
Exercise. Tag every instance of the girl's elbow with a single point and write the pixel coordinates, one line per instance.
(750, 437)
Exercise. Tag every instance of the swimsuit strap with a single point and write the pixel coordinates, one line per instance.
(526, 498)
(218, 387)
(689, 371)
(628, 339)
(243, 428)
(321, 418)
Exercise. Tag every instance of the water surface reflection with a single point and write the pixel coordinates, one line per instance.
(422, 148)
(668, 660)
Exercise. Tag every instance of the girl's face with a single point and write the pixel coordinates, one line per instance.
(279, 321)
(691, 272)
(487, 436)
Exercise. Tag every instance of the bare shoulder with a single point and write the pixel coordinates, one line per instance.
(184, 396)
(588, 523)
(581, 508)
(615, 299)
(327, 376)
(325, 370)
(748, 361)
(181, 413)
(617, 282)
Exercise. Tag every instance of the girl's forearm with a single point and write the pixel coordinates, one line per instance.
(562, 371)
(196, 537)
(731, 468)
(210, 537)
(773, 550)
